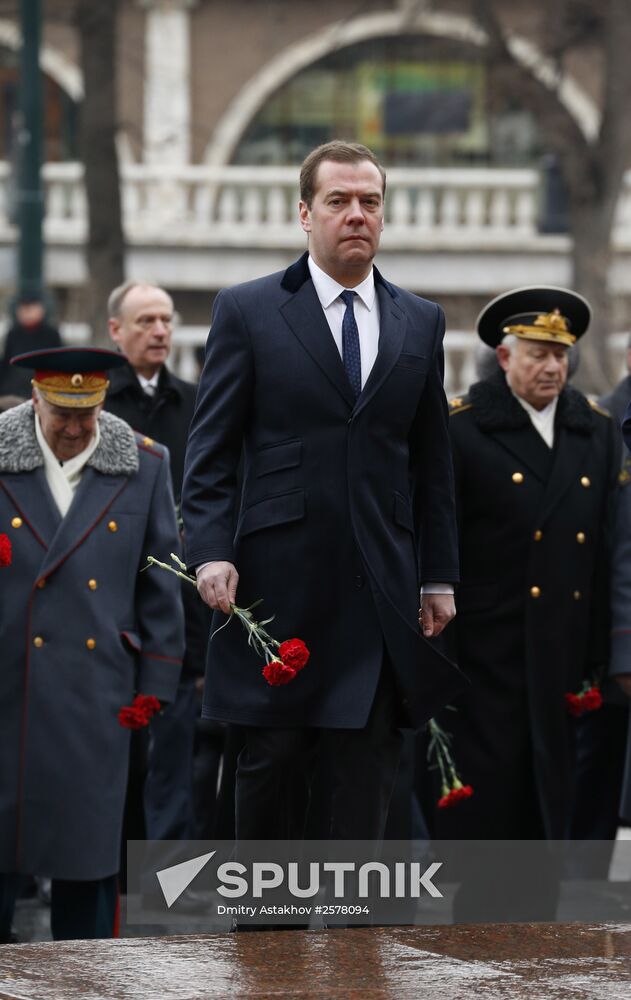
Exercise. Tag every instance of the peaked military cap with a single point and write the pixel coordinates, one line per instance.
(71, 376)
(536, 312)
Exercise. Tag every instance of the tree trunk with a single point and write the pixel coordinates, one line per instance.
(105, 251)
(591, 259)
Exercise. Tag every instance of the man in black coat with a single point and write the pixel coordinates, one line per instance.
(536, 465)
(160, 405)
(330, 380)
(30, 331)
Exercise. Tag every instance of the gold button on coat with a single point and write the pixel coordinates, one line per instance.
(41, 583)
(517, 477)
(535, 592)
(38, 641)
(113, 526)
(538, 535)
(16, 522)
(148, 441)
(577, 595)
(90, 643)
(580, 538)
(92, 584)
(586, 481)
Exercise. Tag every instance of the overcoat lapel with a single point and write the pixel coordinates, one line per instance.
(307, 321)
(392, 327)
(34, 503)
(95, 494)
(570, 451)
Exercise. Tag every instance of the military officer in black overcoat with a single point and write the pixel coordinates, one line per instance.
(535, 465)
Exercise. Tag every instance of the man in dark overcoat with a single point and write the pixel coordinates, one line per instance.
(330, 380)
(84, 501)
(155, 402)
(536, 465)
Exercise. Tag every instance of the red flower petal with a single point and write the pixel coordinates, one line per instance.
(276, 673)
(5, 550)
(574, 704)
(294, 653)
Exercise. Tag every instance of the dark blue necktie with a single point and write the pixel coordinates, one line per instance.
(351, 355)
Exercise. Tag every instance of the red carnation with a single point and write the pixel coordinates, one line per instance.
(294, 653)
(5, 552)
(139, 713)
(276, 672)
(574, 704)
(588, 700)
(453, 795)
(131, 718)
(592, 700)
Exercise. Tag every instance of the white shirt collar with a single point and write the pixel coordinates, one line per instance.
(151, 383)
(541, 420)
(328, 289)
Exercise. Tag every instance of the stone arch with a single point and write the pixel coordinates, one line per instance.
(52, 62)
(299, 56)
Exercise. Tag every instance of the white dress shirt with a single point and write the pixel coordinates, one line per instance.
(365, 307)
(542, 420)
(149, 385)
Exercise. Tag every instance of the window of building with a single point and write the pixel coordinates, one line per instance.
(413, 100)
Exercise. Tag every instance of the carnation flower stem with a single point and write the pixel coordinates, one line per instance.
(182, 576)
(439, 747)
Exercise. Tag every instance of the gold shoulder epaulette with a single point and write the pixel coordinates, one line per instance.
(459, 404)
(599, 409)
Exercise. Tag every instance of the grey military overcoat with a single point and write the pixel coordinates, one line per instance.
(80, 633)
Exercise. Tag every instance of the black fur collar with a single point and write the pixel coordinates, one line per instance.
(495, 408)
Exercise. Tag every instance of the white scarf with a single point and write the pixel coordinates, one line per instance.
(64, 478)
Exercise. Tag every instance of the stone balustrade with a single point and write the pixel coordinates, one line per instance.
(255, 207)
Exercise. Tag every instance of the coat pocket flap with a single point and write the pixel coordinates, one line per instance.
(413, 362)
(286, 455)
(280, 509)
(403, 512)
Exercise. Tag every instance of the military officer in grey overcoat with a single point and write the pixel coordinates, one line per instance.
(84, 500)
(536, 465)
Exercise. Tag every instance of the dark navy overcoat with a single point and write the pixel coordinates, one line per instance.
(345, 506)
(80, 633)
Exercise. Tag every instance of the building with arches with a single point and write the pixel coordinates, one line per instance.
(219, 101)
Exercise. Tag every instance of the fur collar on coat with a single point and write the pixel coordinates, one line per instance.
(116, 455)
(495, 408)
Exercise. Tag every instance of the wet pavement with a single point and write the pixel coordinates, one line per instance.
(476, 962)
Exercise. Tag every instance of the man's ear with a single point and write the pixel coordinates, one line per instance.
(503, 356)
(304, 214)
(113, 326)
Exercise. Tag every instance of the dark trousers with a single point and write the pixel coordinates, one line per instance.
(77, 909)
(275, 769)
(168, 791)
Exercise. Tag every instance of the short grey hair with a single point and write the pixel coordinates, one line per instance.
(510, 342)
(118, 296)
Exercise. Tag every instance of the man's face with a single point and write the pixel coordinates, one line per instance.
(345, 220)
(536, 370)
(68, 431)
(29, 314)
(143, 329)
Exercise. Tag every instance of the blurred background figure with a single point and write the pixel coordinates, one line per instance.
(30, 330)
